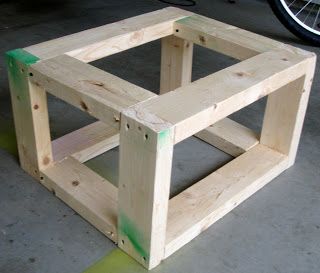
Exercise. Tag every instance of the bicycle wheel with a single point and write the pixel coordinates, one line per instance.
(301, 17)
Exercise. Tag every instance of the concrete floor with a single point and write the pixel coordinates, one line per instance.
(276, 230)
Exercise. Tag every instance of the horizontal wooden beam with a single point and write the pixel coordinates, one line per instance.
(90, 195)
(230, 137)
(226, 39)
(86, 143)
(196, 106)
(96, 43)
(88, 88)
(204, 203)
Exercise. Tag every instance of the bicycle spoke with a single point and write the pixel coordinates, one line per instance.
(315, 20)
(305, 19)
(292, 3)
(303, 8)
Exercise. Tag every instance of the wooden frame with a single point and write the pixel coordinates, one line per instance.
(138, 215)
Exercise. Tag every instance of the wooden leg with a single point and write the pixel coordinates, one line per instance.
(144, 183)
(284, 115)
(30, 112)
(176, 63)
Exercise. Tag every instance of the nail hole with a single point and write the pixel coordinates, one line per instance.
(177, 30)
(30, 74)
(122, 242)
(53, 191)
(144, 258)
(127, 126)
(22, 70)
(36, 106)
(146, 136)
(41, 177)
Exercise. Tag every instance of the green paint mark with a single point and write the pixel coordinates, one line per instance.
(185, 19)
(116, 262)
(18, 61)
(128, 229)
(22, 56)
(164, 138)
(7, 137)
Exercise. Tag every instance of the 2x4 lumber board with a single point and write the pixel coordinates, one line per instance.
(96, 43)
(90, 195)
(283, 122)
(30, 111)
(229, 136)
(176, 63)
(144, 183)
(88, 88)
(224, 38)
(204, 203)
(196, 106)
(176, 69)
(86, 143)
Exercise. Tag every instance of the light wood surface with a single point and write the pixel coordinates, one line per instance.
(176, 63)
(193, 107)
(88, 88)
(195, 209)
(96, 43)
(144, 183)
(226, 39)
(90, 195)
(86, 143)
(229, 136)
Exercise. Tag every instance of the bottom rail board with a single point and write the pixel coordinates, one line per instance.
(199, 206)
(90, 195)
(86, 143)
(229, 136)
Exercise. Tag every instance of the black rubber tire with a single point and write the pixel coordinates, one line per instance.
(292, 25)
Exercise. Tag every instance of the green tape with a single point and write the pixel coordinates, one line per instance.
(128, 229)
(18, 61)
(164, 138)
(22, 56)
(185, 19)
(116, 262)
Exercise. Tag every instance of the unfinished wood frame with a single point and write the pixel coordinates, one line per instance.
(138, 215)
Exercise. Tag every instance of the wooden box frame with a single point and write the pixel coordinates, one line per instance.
(139, 215)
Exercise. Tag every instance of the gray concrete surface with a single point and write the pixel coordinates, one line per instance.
(276, 230)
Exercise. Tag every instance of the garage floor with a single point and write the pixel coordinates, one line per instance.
(276, 230)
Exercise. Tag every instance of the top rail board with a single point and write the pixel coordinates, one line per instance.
(99, 42)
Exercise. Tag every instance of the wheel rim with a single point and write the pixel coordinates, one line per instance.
(304, 12)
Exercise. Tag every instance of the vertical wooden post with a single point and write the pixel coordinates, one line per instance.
(30, 112)
(176, 63)
(284, 115)
(144, 183)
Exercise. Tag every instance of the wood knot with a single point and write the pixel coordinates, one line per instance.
(75, 183)
(284, 59)
(202, 39)
(84, 106)
(242, 74)
(46, 160)
(97, 83)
